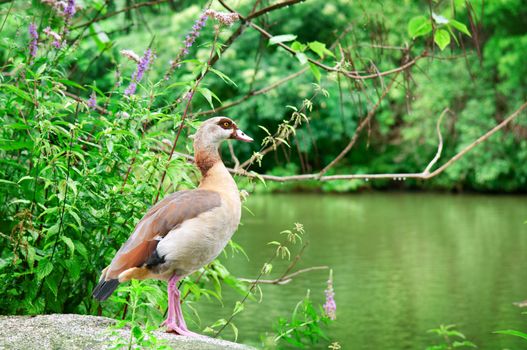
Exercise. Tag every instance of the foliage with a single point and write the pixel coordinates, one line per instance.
(140, 337)
(451, 338)
(304, 328)
(82, 156)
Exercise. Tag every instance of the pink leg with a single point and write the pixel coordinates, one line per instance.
(175, 322)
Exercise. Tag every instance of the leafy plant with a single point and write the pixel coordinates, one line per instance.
(451, 338)
(304, 327)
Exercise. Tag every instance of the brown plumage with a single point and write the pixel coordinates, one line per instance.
(184, 231)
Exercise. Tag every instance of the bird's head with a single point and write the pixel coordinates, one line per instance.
(214, 130)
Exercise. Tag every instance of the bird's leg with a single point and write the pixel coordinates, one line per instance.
(171, 318)
(175, 322)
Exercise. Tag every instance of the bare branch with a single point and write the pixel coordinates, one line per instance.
(440, 143)
(395, 176)
(254, 93)
(337, 68)
(126, 9)
(361, 126)
(287, 278)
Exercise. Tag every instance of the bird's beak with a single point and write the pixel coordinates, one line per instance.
(240, 135)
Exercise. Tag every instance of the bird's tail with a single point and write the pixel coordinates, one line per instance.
(104, 289)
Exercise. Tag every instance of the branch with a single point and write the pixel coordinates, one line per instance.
(337, 69)
(254, 93)
(270, 8)
(126, 9)
(361, 126)
(424, 175)
(83, 100)
(287, 278)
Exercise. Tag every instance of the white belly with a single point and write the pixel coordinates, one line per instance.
(198, 241)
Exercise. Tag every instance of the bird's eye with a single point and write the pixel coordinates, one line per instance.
(226, 124)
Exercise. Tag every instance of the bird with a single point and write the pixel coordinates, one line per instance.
(184, 231)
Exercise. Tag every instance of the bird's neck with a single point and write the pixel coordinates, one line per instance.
(216, 177)
(206, 156)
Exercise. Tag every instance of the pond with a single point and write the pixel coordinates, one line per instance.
(403, 264)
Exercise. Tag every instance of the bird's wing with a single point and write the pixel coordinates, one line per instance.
(158, 221)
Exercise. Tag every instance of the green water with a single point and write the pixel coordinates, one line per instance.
(403, 264)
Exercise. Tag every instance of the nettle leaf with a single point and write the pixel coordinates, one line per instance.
(442, 38)
(281, 39)
(52, 285)
(419, 26)
(69, 243)
(74, 268)
(44, 268)
(460, 26)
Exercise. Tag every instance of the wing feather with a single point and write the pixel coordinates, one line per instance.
(163, 217)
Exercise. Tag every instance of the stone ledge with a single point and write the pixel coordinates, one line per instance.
(77, 332)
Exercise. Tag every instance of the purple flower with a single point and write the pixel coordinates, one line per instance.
(69, 10)
(330, 307)
(226, 18)
(130, 90)
(57, 39)
(92, 102)
(190, 38)
(33, 45)
(132, 56)
(142, 66)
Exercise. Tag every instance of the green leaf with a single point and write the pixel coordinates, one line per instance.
(239, 307)
(10, 145)
(460, 26)
(17, 92)
(235, 330)
(52, 284)
(302, 58)
(99, 36)
(74, 268)
(71, 83)
(44, 268)
(298, 46)
(222, 76)
(320, 49)
(315, 71)
(513, 332)
(419, 26)
(442, 38)
(281, 39)
(69, 243)
(208, 96)
(137, 332)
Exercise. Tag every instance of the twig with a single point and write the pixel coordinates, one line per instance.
(440, 142)
(288, 278)
(337, 68)
(233, 156)
(422, 175)
(254, 93)
(361, 126)
(126, 9)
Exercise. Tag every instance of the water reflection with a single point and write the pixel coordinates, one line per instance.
(403, 263)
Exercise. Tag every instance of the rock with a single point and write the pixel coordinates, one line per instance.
(86, 332)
